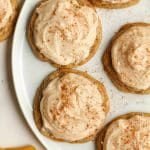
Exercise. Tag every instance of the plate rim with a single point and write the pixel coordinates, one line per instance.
(15, 83)
(13, 74)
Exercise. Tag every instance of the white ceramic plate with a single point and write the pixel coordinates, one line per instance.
(28, 71)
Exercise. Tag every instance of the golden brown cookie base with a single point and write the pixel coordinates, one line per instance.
(7, 31)
(36, 51)
(38, 97)
(108, 67)
(107, 5)
(101, 135)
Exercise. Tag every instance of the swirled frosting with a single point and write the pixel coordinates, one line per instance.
(72, 107)
(128, 134)
(5, 12)
(65, 31)
(116, 1)
(131, 57)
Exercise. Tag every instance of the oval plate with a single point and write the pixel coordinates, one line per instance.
(28, 71)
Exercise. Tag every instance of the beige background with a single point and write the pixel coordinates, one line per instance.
(14, 130)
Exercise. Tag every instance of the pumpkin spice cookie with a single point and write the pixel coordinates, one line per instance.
(8, 15)
(114, 4)
(129, 131)
(70, 106)
(64, 33)
(127, 58)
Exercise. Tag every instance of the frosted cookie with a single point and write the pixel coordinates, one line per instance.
(127, 59)
(70, 106)
(8, 15)
(66, 33)
(130, 131)
(110, 4)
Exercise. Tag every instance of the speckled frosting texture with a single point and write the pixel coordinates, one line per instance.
(130, 55)
(65, 31)
(5, 12)
(128, 134)
(72, 108)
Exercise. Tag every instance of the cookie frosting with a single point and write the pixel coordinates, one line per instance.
(124, 134)
(131, 57)
(65, 31)
(72, 108)
(5, 12)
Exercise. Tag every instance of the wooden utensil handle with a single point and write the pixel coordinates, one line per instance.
(20, 148)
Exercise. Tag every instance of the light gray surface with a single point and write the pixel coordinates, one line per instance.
(28, 71)
(14, 130)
